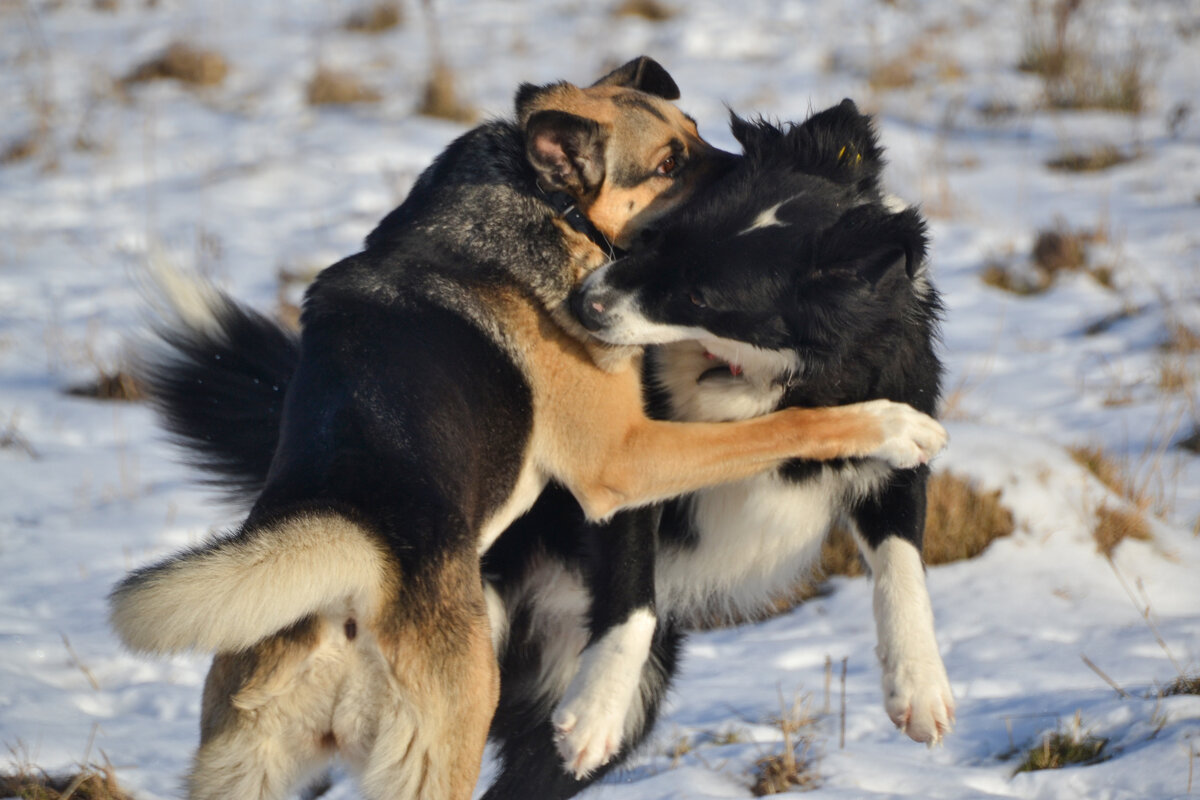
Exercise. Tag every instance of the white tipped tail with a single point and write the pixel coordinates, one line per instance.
(230, 594)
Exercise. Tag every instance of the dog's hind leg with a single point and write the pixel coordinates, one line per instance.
(916, 691)
(261, 729)
(435, 704)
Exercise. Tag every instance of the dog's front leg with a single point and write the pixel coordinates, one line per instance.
(601, 701)
(916, 691)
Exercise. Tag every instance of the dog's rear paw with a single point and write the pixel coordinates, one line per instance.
(910, 438)
(918, 699)
(588, 735)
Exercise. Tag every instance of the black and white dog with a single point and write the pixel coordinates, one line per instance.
(792, 282)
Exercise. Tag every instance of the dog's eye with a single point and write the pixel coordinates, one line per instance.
(697, 300)
(668, 165)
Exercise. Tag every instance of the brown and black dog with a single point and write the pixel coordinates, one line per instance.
(438, 387)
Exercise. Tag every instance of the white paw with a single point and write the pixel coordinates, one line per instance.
(589, 733)
(917, 696)
(589, 723)
(910, 438)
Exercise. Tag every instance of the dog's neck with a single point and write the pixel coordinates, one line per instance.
(567, 209)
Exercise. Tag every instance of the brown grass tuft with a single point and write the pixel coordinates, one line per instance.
(21, 149)
(92, 783)
(1005, 277)
(1184, 684)
(1064, 748)
(182, 62)
(652, 10)
(1115, 525)
(375, 18)
(1191, 442)
(115, 385)
(1096, 159)
(1074, 76)
(895, 73)
(333, 87)
(1060, 249)
(440, 98)
(1111, 472)
(793, 768)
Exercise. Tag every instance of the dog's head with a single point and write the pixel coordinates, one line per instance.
(620, 148)
(772, 263)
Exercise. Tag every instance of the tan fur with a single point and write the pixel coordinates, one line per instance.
(254, 585)
(407, 699)
(401, 702)
(605, 449)
(638, 141)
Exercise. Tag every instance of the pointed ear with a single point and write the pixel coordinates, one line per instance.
(753, 135)
(839, 143)
(566, 151)
(644, 74)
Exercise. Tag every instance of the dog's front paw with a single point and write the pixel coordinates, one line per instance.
(917, 696)
(909, 438)
(589, 732)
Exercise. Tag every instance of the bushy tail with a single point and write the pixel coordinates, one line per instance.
(230, 594)
(217, 372)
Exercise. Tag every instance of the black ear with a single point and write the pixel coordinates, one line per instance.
(753, 135)
(527, 93)
(870, 243)
(566, 150)
(644, 74)
(839, 143)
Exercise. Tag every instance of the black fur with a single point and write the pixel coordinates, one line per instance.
(842, 285)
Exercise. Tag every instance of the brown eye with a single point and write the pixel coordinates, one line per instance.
(668, 165)
(697, 301)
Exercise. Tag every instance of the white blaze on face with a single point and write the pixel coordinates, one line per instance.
(767, 218)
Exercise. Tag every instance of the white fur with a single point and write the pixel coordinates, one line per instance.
(591, 719)
(767, 219)
(181, 300)
(343, 689)
(230, 594)
(916, 690)
(560, 605)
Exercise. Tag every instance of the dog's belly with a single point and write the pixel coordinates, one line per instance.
(752, 541)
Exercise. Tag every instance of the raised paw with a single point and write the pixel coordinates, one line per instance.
(588, 734)
(909, 438)
(918, 699)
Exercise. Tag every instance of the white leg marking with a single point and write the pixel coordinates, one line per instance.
(916, 691)
(590, 721)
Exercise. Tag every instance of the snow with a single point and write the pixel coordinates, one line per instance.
(245, 179)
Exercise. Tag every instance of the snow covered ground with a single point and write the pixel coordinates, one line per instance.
(244, 179)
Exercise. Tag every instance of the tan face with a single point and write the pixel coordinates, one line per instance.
(652, 156)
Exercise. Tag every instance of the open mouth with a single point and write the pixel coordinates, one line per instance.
(720, 369)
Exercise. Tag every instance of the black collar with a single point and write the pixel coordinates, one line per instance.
(566, 210)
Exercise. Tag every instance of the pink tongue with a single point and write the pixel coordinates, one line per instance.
(734, 369)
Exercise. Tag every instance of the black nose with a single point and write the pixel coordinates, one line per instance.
(589, 308)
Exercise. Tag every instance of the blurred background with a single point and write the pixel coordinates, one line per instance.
(1054, 146)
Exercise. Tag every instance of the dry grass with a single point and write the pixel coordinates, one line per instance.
(375, 18)
(1060, 749)
(91, 783)
(1005, 277)
(793, 768)
(335, 87)
(1184, 684)
(440, 98)
(116, 384)
(1060, 249)
(22, 149)
(652, 10)
(1115, 525)
(1111, 472)
(1057, 49)
(183, 62)
(1095, 159)
(1191, 442)
(893, 73)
